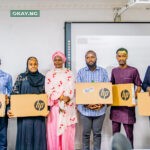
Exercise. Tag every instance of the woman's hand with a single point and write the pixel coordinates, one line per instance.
(10, 114)
(66, 99)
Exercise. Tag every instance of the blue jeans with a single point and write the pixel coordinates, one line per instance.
(3, 133)
(91, 124)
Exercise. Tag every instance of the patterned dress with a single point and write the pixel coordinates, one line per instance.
(60, 124)
(31, 131)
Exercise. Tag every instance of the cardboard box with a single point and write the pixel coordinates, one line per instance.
(29, 105)
(94, 93)
(123, 95)
(2, 105)
(144, 104)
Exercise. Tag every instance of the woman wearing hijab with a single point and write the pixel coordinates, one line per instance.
(59, 85)
(31, 131)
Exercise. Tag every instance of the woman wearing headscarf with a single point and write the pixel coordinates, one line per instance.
(31, 131)
(59, 85)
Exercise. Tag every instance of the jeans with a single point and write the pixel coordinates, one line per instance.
(3, 133)
(95, 124)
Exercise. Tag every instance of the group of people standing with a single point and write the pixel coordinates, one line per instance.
(57, 131)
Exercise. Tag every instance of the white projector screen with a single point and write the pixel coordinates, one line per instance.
(106, 38)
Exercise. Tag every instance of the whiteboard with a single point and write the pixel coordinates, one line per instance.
(106, 38)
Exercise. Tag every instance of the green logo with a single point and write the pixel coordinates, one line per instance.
(24, 13)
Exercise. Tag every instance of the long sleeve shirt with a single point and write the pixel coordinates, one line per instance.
(86, 75)
(5, 83)
(146, 82)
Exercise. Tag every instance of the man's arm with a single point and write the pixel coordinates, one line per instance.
(146, 84)
(137, 82)
(112, 79)
(9, 85)
(138, 90)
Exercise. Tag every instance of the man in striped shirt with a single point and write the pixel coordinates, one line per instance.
(92, 116)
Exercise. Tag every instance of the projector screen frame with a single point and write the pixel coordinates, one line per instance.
(68, 42)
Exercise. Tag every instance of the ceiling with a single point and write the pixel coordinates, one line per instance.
(85, 4)
(41, 4)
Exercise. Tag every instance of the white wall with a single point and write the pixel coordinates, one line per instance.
(40, 37)
(24, 37)
(139, 15)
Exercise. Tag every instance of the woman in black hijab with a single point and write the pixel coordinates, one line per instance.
(31, 131)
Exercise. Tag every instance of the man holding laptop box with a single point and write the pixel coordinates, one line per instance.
(124, 74)
(92, 115)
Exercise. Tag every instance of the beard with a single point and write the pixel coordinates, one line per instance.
(91, 66)
(122, 63)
